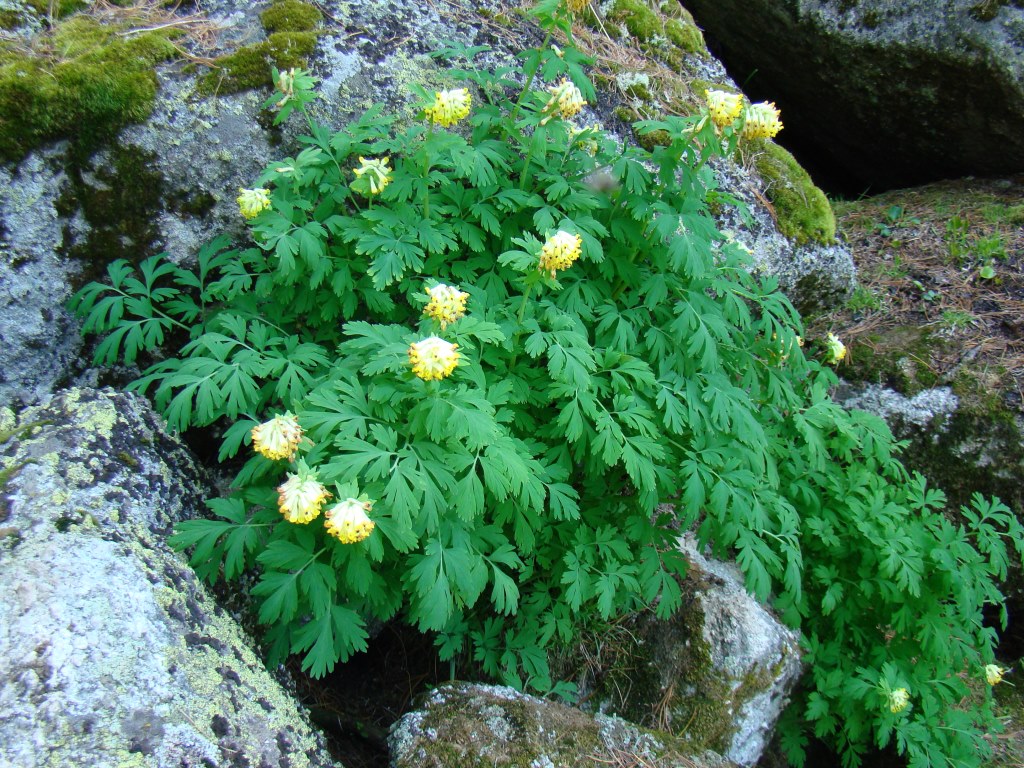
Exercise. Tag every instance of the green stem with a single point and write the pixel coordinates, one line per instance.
(526, 167)
(426, 171)
(530, 75)
(519, 322)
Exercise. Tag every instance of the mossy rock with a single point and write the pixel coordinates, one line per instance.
(802, 210)
(99, 83)
(250, 66)
(291, 16)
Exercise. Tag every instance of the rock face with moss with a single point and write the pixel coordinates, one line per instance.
(156, 150)
(480, 726)
(716, 675)
(111, 652)
(896, 92)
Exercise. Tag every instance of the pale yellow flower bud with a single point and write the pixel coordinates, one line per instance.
(446, 305)
(576, 6)
(559, 252)
(433, 358)
(762, 121)
(566, 100)
(347, 521)
(835, 349)
(898, 700)
(278, 438)
(994, 674)
(252, 202)
(300, 497)
(372, 176)
(449, 107)
(724, 107)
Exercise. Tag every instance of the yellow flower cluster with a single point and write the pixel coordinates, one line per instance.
(433, 358)
(559, 252)
(835, 350)
(576, 6)
(278, 438)
(446, 305)
(994, 674)
(566, 100)
(347, 520)
(372, 175)
(300, 497)
(762, 121)
(252, 202)
(898, 700)
(723, 107)
(449, 107)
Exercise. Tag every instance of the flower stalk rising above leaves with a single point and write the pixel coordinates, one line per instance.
(449, 107)
(433, 358)
(447, 304)
(301, 496)
(252, 202)
(278, 438)
(348, 522)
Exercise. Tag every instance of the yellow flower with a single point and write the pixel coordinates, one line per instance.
(724, 107)
(446, 305)
(372, 175)
(575, 6)
(588, 143)
(449, 107)
(301, 496)
(252, 202)
(566, 100)
(347, 520)
(762, 121)
(278, 438)
(898, 700)
(559, 252)
(994, 673)
(835, 349)
(433, 358)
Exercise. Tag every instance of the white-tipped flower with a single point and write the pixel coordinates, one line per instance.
(762, 121)
(566, 101)
(559, 252)
(447, 304)
(252, 202)
(348, 522)
(835, 350)
(723, 107)
(994, 674)
(372, 176)
(433, 358)
(898, 700)
(300, 497)
(449, 107)
(278, 438)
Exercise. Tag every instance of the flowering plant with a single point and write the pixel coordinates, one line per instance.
(499, 371)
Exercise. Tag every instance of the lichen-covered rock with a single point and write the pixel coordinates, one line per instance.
(111, 653)
(893, 92)
(480, 726)
(717, 674)
(169, 182)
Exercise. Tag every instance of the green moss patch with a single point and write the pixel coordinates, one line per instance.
(802, 210)
(291, 40)
(85, 81)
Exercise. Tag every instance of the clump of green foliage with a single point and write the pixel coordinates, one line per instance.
(83, 80)
(291, 39)
(517, 494)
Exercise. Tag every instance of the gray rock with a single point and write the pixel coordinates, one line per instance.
(895, 92)
(928, 409)
(473, 726)
(717, 674)
(111, 653)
